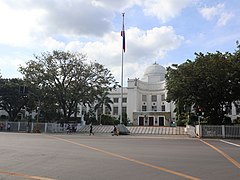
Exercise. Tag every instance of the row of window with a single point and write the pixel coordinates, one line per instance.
(115, 110)
(144, 98)
(154, 108)
(154, 98)
(124, 100)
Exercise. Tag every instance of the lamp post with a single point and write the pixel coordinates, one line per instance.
(37, 129)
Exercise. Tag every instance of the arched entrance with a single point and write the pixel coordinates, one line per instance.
(141, 121)
(161, 120)
(151, 120)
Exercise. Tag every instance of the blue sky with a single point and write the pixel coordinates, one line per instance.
(163, 31)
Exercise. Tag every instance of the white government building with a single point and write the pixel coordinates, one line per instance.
(144, 100)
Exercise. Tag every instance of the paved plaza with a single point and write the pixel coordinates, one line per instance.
(102, 157)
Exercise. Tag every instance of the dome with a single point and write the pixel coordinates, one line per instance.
(154, 73)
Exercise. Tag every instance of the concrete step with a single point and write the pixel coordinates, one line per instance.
(137, 130)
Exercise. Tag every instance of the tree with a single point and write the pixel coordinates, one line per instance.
(42, 102)
(12, 96)
(68, 79)
(211, 83)
(103, 100)
(109, 120)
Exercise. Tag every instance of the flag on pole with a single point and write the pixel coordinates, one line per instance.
(123, 36)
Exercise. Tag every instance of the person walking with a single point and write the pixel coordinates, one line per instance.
(8, 126)
(1, 126)
(115, 131)
(91, 130)
(68, 129)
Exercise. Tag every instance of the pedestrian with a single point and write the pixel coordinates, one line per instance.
(1, 126)
(91, 130)
(68, 128)
(115, 131)
(8, 127)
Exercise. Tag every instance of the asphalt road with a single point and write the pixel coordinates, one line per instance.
(102, 157)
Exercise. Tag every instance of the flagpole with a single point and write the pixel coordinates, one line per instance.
(123, 49)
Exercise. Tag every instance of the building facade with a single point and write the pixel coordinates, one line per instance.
(144, 100)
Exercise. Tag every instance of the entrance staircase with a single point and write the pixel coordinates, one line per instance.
(154, 130)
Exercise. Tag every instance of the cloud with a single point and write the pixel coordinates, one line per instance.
(153, 43)
(165, 10)
(119, 6)
(19, 26)
(219, 12)
(42, 20)
(140, 44)
(8, 67)
(141, 47)
(87, 27)
(31, 21)
(52, 44)
(224, 18)
(79, 18)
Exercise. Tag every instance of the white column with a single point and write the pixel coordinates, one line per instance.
(223, 131)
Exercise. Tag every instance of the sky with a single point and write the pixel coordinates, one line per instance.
(162, 31)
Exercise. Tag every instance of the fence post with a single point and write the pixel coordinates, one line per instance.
(200, 131)
(45, 129)
(32, 127)
(223, 131)
(18, 125)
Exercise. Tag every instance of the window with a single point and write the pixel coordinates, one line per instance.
(124, 110)
(237, 110)
(237, 105)
(163, 107)
(229, 110)
(144, 108)
(115, 100)
(154, 98)
(163, 97)
(144, 97)
(107, 110)
(124, 100)
(154, 108)
(115, 110)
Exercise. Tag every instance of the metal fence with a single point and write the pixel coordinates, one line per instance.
(220, 131)
(205, 131)
(33, 126)
(60, 128)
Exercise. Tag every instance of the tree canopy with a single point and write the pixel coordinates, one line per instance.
(67, 79)
(210, 82)
(12, 96)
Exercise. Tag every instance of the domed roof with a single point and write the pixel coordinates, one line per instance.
(155, 70)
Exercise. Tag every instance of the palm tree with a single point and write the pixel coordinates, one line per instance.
(103, 101)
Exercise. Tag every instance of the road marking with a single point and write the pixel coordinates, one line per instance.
(233, 161)
(25, 175)
(230, 143)
(128, 159)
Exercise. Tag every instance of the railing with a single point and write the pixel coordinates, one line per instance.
(205, 131)
(220, 131)
(33, 126)
(59, 128)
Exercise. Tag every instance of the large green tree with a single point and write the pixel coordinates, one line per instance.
(68, 78)
(13, 96)
(210, 82)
